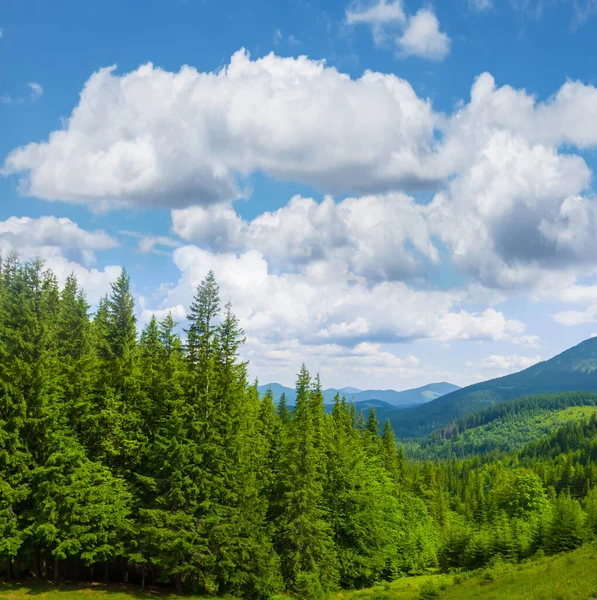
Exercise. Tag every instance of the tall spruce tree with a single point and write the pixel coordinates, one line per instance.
(304, 537)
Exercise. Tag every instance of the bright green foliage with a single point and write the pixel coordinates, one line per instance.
(567, 528)
(128, 455)
(304, 538)
(80, 508)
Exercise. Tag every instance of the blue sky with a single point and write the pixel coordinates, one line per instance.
(392, 192)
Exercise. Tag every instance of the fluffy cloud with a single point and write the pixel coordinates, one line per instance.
(379, 237)
(423, 38)
(151, 137)
(516, 212)
(325, 304)
(337, 364)
(95, 282)
(419, 34)
(63, 246)
(46, 237)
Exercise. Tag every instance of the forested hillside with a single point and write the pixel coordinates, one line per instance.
(145, 457)
(504, 428)
(574, 369)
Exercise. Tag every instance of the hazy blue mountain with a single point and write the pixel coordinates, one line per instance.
(572, 370)
(390, 398)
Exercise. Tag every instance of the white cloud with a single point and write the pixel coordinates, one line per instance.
(326, 305)
(151, 137)
(148, 244)
(178, 312)
(380, 237)
(36, 90)
(423, 38)
(512, 362)
(529, 341)
(379, 16)
(577, 317)
(63, 246)
(364, 365)
(95, 282)
(516, 213)
(50, 237)
(578, 294)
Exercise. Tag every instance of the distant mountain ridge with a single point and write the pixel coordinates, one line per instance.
(574, 369)
(390, 399)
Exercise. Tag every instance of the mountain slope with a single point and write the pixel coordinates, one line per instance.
(392, 398)
(573, 370)
(505, 427)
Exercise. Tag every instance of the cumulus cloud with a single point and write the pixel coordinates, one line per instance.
(64, 247)
(423, 38)
(516, 212)
(324, 304)
(51, 237)
(95, 282)
(379, 237)
(514, 208)
(418, 34)
(152, 137)
(339, 365)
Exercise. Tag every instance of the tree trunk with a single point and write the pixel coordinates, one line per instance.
(106, 572)
(17, 567)
(56, 569)
(178, 583)
(9, 570)
(143, 579)
(38, 564)
(126, 573)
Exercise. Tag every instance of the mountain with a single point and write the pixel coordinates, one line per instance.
(506, 427)
(573, 370)
(349, 390)
(390, 398)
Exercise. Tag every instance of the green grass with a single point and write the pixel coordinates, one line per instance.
(571, 576)
(31, 590)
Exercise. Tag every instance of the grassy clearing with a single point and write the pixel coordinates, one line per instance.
(571, 576)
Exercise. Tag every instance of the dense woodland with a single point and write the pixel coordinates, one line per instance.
(140, 457)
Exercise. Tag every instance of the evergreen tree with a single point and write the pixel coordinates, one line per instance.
(304, 537)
